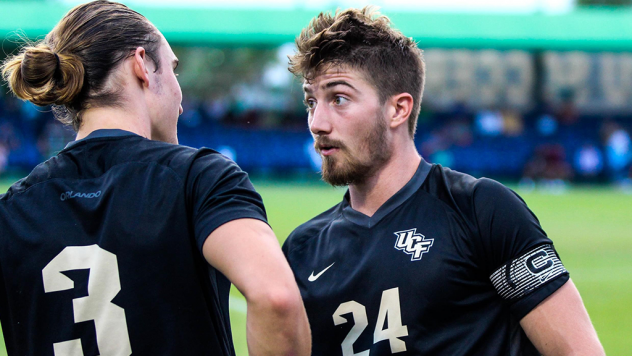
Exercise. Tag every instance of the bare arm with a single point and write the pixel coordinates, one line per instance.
(248, 254)
(560, 325)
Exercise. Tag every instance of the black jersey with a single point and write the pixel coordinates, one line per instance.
(100, 250)
(447, 266)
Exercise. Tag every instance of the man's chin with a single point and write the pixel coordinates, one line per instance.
(331, 173)
(334, 180)
(340, 177)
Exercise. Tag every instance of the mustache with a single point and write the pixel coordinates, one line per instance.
(324, 141)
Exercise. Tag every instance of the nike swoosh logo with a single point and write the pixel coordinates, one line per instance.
(313, 278)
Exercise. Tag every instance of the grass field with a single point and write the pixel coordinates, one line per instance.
(591, 228)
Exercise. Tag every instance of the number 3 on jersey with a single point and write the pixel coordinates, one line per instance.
(389, 307)
(103, 285)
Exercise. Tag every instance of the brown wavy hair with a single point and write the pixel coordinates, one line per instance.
(70, 68)
(364, 40)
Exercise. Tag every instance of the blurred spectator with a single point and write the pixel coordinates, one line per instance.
(217, 108)
(548, 167)
(618, 150)
(264, 104)
(496, 122)
(228, 151)
(567, 113)
(588, 162)
(546, 125)
(512, 123)
(489, 122)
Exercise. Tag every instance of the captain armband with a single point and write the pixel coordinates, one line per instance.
(527, 273)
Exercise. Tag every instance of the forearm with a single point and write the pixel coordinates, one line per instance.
(560, 325)
(277, 325)
(247, 252)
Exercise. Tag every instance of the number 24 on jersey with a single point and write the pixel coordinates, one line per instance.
(389, 308)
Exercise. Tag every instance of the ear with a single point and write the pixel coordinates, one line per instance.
(140, 66)
(401, 107)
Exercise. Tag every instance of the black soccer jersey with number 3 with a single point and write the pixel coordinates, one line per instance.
(100, 250)
(447, 266)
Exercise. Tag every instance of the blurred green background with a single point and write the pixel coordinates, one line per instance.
(590, 226)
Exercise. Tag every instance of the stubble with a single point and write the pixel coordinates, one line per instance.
(349, 168)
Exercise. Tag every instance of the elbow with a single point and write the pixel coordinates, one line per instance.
(279, 311)
(282, 302)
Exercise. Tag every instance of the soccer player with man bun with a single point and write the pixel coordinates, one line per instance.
(417, 259)
(125, 242)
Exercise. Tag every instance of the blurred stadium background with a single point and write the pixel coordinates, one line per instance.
(535, 93)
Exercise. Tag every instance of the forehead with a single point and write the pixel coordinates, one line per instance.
(352, 76)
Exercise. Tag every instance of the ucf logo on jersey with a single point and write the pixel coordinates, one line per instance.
(412, 243)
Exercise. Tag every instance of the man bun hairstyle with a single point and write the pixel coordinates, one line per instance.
(363, 40)
(44, 77)
(70, 68)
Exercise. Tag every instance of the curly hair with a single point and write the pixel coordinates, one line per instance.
(363, 40)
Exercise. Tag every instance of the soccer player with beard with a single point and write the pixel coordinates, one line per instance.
(417, 259)
(126, 242)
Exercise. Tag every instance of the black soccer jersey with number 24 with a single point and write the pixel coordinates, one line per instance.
(447, 266)
(100, 250)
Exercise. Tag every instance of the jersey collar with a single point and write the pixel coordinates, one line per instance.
(100, 134)
(393, 202)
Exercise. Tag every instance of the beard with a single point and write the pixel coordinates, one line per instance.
(349, 168)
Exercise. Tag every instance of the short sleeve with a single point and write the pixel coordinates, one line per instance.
(218, 191)
(518, 257)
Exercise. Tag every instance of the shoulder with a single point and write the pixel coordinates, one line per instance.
(39, 174)
(311, 229)
(464, 184)
(463, 192)
(137, 148)
(208, 170)
(485, 206)
(502, 225)
(206, 158)
(185, 161)
(167, 153)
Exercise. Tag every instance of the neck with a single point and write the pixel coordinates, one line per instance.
(371, 194)
(114, 118)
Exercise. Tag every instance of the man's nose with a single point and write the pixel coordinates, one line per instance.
(319, 122)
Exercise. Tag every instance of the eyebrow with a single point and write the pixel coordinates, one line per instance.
(339, 82)
(331, 85)
(176, 62)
